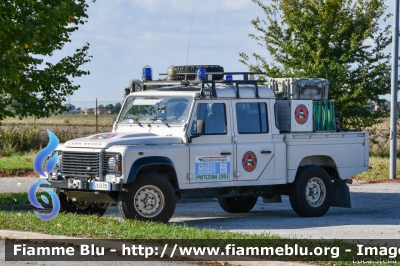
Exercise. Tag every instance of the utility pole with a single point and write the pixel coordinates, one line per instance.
(97, 122)
(394, 91)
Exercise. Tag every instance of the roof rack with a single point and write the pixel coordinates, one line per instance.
(207, 87)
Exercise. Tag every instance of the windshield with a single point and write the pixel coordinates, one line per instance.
(169, 110)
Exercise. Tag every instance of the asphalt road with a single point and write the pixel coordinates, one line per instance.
(374, 215)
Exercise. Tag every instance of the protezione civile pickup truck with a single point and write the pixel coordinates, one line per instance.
(229, 139)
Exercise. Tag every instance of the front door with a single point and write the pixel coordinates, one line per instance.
(254, 146)
(211, 154)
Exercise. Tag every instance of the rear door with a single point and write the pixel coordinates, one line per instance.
(253, 140)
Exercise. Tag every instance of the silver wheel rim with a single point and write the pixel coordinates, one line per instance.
(315, 192)
(149, 201)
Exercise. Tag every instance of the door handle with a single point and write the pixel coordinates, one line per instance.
(265, 151)
(226, 153)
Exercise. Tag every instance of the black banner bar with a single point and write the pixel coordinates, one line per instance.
(356, 251)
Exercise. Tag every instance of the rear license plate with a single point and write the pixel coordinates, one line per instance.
(101, 185)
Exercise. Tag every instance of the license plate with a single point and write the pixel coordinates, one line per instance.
(101, 185)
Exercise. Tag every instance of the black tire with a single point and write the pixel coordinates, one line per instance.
(311, 193)
(68, 205)
(240, 204)
(194, 68)
(147, 190)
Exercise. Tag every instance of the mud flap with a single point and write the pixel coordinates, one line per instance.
(341, 194)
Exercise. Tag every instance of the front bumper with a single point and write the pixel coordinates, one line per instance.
(83, 185)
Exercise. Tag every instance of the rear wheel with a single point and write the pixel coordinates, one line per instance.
(237, 204)
(150, 197)
(80, 207)
(311, 192)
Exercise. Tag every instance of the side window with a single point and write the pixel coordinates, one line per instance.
(251, 118)
(214, 116)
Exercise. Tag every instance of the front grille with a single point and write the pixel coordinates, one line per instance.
(80, 164)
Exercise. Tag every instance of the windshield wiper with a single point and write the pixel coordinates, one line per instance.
(160, 119)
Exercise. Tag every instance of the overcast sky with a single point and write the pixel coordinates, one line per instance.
(125, 35)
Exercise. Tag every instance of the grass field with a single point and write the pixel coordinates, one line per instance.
(65, 119)
(20, 198)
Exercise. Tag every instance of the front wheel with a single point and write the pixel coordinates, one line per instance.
(80, 207)
(311, 192)
(240, 204)
(150, 197)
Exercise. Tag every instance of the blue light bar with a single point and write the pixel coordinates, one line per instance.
(228, 77)
(147, 73)
(201, 74)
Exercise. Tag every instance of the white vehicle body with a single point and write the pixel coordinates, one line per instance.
(233, 162)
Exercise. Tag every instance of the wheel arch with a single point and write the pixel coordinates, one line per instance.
(159, 164)
(323, 161)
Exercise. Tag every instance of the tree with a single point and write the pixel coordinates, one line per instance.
(109, 107)
(340, 40)
(117, 108)
(30, 31)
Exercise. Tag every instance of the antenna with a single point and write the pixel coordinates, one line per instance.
(190, 35)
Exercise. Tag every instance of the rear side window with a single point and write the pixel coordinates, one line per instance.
(251, 118)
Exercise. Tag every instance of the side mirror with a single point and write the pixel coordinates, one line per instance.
(201, 127)
(200, 130)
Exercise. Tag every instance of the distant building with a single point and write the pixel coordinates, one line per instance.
(87, 111)
(71, 107)
(92, 111)
(103, 111)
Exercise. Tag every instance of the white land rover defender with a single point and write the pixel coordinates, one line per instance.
(206, 136)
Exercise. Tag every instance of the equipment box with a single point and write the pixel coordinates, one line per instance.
(299, 88)
(305, 116)
(294, 115)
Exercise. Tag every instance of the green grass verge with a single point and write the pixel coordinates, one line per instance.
(22, 160)
(20, 198)
(92, 226)
(380, 170)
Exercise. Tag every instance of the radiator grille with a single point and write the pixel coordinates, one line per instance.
(80, 164)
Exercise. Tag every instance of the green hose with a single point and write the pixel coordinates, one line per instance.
(324, 116)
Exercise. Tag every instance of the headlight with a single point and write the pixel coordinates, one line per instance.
(112, 163)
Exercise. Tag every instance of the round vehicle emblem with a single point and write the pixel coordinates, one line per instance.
(301, 114)
(88, 168)
(249, 161)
